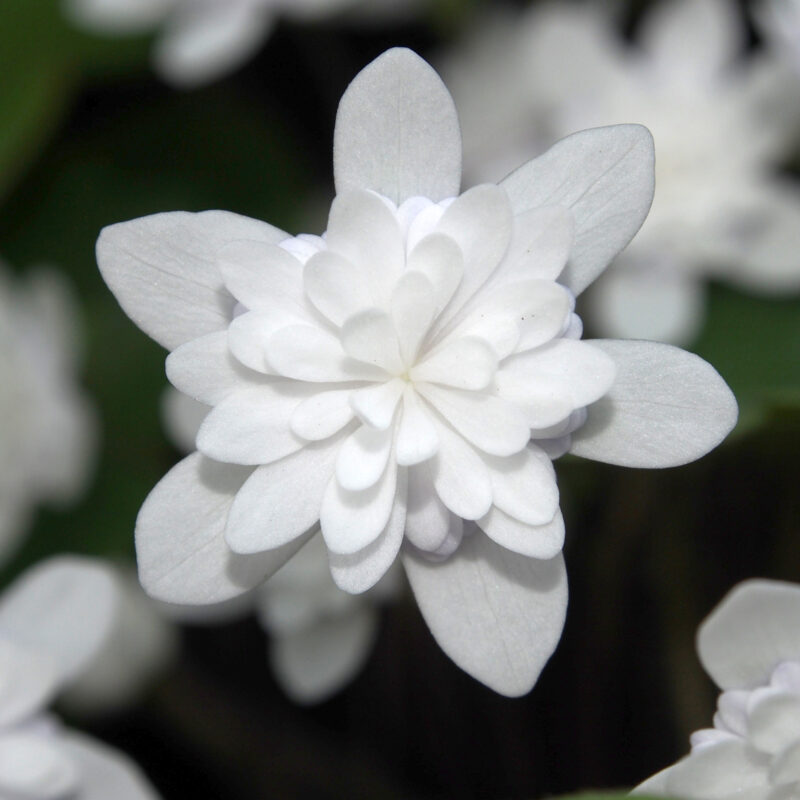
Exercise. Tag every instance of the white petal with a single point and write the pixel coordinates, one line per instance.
(279, 502)
(64, 608)
(357, 572)
(35, 766)
(249, 335)
(413, 307)
(524, 486)
(573, 370)
(466, 363)
(351, 521)
(753, 629)
(427, 518)
(639, 301)
(666, 407)
(205, 370)
(180, 543)
(30, 678)
(118, 16)
(717, 771)
(263, 277)
(336, 286)
(364, 230)
(307, 353)
(417, 439)
(370, 337)
(497, 614)
(490, 423)
(541, 242)
(536, 541)
(322, 415)
(362, 457)
(517, 316)
(692, 42)
(452, 541)
(606, 177)
(397, 131)
(785, 771)
(203, 41)
(461, 479)
(774, 722)
(480, 222)
(440, 260)
(163, 272)
(181, 417)
(376, 404)
(314, 663)
(251, 426)
(105, 772)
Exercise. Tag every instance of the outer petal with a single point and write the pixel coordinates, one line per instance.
(316, 662)
(180, 543)
(606, 177)
(162, 270)
(33, 765)
(497, 614)
(64, 607)
(756, 626)
(666, 407)
(397, 131)
(105, 772)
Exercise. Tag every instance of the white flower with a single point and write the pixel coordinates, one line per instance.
(722, 122)
(750, 646)
(404, 377)
(53, 621)
(320, 635)
(47, 424)
(202, 40)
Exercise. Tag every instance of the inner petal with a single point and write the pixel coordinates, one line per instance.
(362, 458)
(468, 363)
(337, 287)
(417, 439)
(376, 404)
(413, 308)
(370, 337)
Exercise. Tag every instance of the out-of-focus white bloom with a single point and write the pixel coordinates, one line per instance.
(320, 635)
(779, 24)
(201, 40)
(53, 622)
(405, 380)
(721, 123)
(750, 646)
(140, 646)
(47, 424)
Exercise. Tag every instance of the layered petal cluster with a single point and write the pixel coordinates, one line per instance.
(202, 40)
(722, 122)
(779, 23)
(47, 424)
(319, 635)
(53, 622)
(750, 646)
(404, 380)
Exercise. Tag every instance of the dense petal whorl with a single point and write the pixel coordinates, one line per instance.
(419, 340)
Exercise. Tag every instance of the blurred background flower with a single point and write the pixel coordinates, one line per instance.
(90, 135)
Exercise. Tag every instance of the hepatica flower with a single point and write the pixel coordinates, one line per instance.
(403, 381)
(750, 646)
